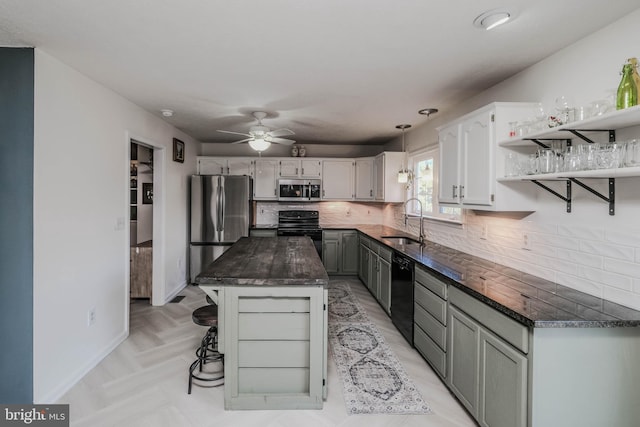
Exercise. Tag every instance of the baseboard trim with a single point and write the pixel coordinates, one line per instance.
(54, 395)
(175, 292)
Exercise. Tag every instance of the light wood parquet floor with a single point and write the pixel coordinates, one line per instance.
(143, 382)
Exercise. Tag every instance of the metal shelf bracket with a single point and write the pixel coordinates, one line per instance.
(612, 193)
(577, 132)
(567, 199)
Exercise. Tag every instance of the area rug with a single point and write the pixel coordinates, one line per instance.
(374, 381)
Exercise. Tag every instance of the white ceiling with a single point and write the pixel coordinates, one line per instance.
(333, 71)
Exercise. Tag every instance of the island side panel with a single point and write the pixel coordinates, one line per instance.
(274, 347)
(587, 377)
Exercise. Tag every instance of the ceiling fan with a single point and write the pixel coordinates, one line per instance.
(260, 137)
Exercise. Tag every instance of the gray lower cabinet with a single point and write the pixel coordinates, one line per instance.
(340, 251)
(503, 383)
(464, 345)
(374, 269)
(384, 283)
(349, 240)
(363, 260)
(487, 372)
(430, 320)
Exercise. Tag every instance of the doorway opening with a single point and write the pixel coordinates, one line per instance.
(141, 176)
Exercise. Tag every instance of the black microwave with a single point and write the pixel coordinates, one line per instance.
(299, 190)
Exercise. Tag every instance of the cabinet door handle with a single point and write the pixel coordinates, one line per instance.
(461, 192)
(296, 171)
(302, 171)
(322, 193)
(370, 193)
(221, 170)
(454, 191)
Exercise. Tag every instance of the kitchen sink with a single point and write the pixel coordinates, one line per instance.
(402, 240)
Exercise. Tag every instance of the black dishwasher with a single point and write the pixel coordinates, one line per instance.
(402, 295)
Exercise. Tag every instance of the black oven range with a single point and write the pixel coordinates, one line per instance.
(301, 223)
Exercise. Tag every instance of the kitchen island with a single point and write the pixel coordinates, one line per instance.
(272, 322)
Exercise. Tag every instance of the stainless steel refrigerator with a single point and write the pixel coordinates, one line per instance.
(220, 215)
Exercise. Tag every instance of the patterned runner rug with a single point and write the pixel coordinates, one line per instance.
(373, 379)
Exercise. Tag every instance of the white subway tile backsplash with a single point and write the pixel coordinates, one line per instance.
(623, 237)
(598, 259)
(607, 249)
(557, 241)
(622, 267)
(581, 232)
(581, 258)
(605, 277)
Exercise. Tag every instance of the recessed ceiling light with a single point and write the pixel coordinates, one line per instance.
(167, 113)
(428, 111)
(492, 19)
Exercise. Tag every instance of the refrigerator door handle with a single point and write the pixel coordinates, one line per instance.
(222, 199)
(219, 213)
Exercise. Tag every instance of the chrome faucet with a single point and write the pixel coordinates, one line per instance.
(406, 217)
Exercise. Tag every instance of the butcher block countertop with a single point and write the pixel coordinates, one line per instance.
(267, 261)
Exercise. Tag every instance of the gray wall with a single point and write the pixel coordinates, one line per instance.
(16, 225)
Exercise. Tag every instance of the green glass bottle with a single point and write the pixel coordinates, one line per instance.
(627, 91)
(634, 74)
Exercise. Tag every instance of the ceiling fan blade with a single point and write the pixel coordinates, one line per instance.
(242, 140)
(234, 133)
(281, 141)
(281, 132)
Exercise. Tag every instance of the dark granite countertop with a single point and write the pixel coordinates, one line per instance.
(531, 300)
(267, 261)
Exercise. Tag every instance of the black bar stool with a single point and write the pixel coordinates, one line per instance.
(208, 350)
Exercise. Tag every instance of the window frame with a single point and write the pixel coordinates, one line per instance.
(412, 208)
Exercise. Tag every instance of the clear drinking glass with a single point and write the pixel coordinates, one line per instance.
(572, 157)
(632, 153)
(546, 160)
(512, 165)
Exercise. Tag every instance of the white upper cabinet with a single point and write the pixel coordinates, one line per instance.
(265, 179)
(239, 166)
(364, 179)
(224, 165)
(212, 166)
(468, 152)
(338, 179)
(386, 167)
(310, 168)
(449, 165)
(477, 174)
(289, 168)
(300, 168)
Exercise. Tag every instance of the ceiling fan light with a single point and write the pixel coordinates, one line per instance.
(259, 144)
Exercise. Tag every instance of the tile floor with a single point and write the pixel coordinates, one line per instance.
(143, 382)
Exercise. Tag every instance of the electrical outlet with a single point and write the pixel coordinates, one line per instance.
(91, 316)
(484, 232)
(525, 241)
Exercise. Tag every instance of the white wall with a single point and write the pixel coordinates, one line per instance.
(81, 193)
(586, 249)
(277, 150)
